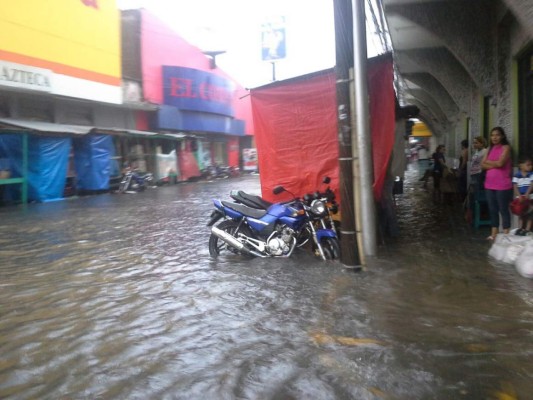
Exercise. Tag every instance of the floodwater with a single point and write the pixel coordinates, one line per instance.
(116, 297)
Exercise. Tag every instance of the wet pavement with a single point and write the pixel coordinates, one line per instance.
(116, 297)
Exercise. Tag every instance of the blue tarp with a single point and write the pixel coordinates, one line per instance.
(47, 165)
(92, 160)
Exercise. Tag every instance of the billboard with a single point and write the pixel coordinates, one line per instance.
(273, 39)
(78, 40)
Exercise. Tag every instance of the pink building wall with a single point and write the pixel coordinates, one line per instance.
(160, 46)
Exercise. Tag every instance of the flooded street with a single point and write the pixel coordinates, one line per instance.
(116, 297)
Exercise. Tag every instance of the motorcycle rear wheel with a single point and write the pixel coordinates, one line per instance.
(217, 246)
(331, 248)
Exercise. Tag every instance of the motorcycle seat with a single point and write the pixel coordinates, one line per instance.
(250, 200)
(249, 212)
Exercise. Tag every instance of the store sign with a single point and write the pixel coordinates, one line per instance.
(195, 90)
(25, 77)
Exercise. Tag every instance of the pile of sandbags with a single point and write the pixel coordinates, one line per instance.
(513, 249)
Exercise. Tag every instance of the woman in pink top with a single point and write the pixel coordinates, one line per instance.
(498, 181)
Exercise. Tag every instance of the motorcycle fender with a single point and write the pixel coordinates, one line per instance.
(215, 216)
(325, 233)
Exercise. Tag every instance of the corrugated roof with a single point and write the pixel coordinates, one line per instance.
(53, 128)
(47, 127)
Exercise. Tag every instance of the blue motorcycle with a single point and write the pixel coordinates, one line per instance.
(272, 232)
(324, 220)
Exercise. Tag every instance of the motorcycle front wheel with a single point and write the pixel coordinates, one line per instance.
(331, 248)
(123, 185)
(217, 246)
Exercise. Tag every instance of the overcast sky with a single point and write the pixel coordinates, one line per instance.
(235, 26)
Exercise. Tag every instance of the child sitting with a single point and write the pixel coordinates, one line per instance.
(523, 190)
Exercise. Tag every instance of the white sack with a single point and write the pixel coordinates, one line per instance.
(524, 262)
(507, 248)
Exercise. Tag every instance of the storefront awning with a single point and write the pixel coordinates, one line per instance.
(122, 131)
(421, 130)
(174, 135)
(41, 127)
(44, 127)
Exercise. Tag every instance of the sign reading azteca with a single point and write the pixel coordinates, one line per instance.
(22, 76)
(78, 42)
(195, 90)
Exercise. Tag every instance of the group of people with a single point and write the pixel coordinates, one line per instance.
(442, 174)
(491, 171)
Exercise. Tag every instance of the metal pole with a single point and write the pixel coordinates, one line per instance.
(344, 61)
(273, 71)
(364, 138)
(356, 178)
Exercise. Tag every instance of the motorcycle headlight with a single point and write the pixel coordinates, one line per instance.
(318, 207)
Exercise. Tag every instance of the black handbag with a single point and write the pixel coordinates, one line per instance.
(397, 188)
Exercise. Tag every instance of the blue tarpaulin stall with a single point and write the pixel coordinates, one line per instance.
(47, 167)
(92, 160)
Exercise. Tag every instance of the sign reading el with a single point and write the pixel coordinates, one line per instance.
(78, 39)
(192, 89)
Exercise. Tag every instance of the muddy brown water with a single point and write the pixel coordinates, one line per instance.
(116, 297)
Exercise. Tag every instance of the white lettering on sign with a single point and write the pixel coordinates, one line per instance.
(23, 76)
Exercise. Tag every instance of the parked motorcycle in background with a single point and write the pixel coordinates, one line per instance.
(220, 172)
(234, 171)
(272, 232)
(134, 181)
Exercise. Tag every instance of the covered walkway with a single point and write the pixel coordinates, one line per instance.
(423, 222)
(438, 247)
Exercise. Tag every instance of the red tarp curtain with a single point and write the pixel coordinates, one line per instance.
(295, 131)
(295, 125)
(188, 165)
(382, 118)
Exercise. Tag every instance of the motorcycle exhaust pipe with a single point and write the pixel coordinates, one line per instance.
(226, 237)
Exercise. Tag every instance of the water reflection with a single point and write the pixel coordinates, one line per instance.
(115, 297)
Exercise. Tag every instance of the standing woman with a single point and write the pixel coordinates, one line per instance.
(498, 181)
(463, 168)
(439, 164)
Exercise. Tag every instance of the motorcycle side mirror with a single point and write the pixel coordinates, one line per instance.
(278, 190)
(326, 180)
